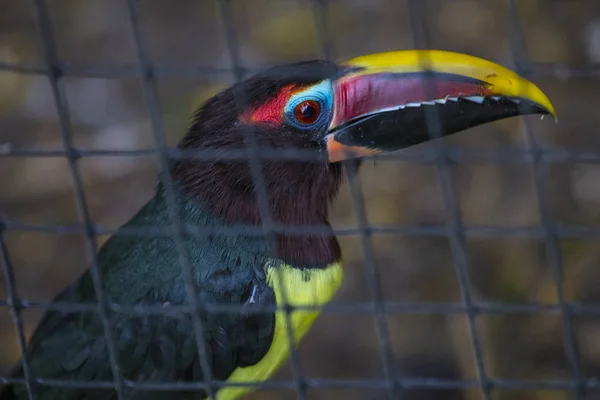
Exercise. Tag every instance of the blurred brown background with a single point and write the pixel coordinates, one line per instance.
(110, 114)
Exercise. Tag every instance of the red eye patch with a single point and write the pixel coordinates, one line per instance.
(272, 111)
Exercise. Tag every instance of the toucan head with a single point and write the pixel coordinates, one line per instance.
(368, 105)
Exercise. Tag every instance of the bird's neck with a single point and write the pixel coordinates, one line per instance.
(299, 195)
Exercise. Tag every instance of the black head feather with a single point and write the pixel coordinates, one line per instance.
(299, 191)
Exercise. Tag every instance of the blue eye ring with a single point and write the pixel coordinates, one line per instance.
(311, 108)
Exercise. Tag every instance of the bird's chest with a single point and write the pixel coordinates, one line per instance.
(298, 288)
(306, 291)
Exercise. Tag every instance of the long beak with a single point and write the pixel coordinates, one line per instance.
(384, 100)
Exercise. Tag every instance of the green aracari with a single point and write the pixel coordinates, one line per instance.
(336, 111)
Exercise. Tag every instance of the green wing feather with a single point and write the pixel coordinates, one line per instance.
(228, 270)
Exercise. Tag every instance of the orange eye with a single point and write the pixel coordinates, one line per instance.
(308, 112)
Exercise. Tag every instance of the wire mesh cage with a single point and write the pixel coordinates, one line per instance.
(470, 262)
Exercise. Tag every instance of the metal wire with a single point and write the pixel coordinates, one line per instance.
(15, 309)
(394, 388)
(439, 155)
(358, 308)
(54, 75)
(151, 98)
(260, 189)
(110, 71)
(373, 384)
(414, 155)
(455, 230)
(551, 246)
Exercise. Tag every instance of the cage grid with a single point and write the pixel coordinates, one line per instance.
(440, 155)
(551, 247)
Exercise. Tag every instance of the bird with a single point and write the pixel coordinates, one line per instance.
(334, 112)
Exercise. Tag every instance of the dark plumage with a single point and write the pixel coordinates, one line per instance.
(137, 270)
(299, 191)
(371, 104)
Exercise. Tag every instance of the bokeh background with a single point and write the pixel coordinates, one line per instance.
(110, 113)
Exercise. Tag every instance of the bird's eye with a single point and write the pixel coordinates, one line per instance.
(308, 112)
